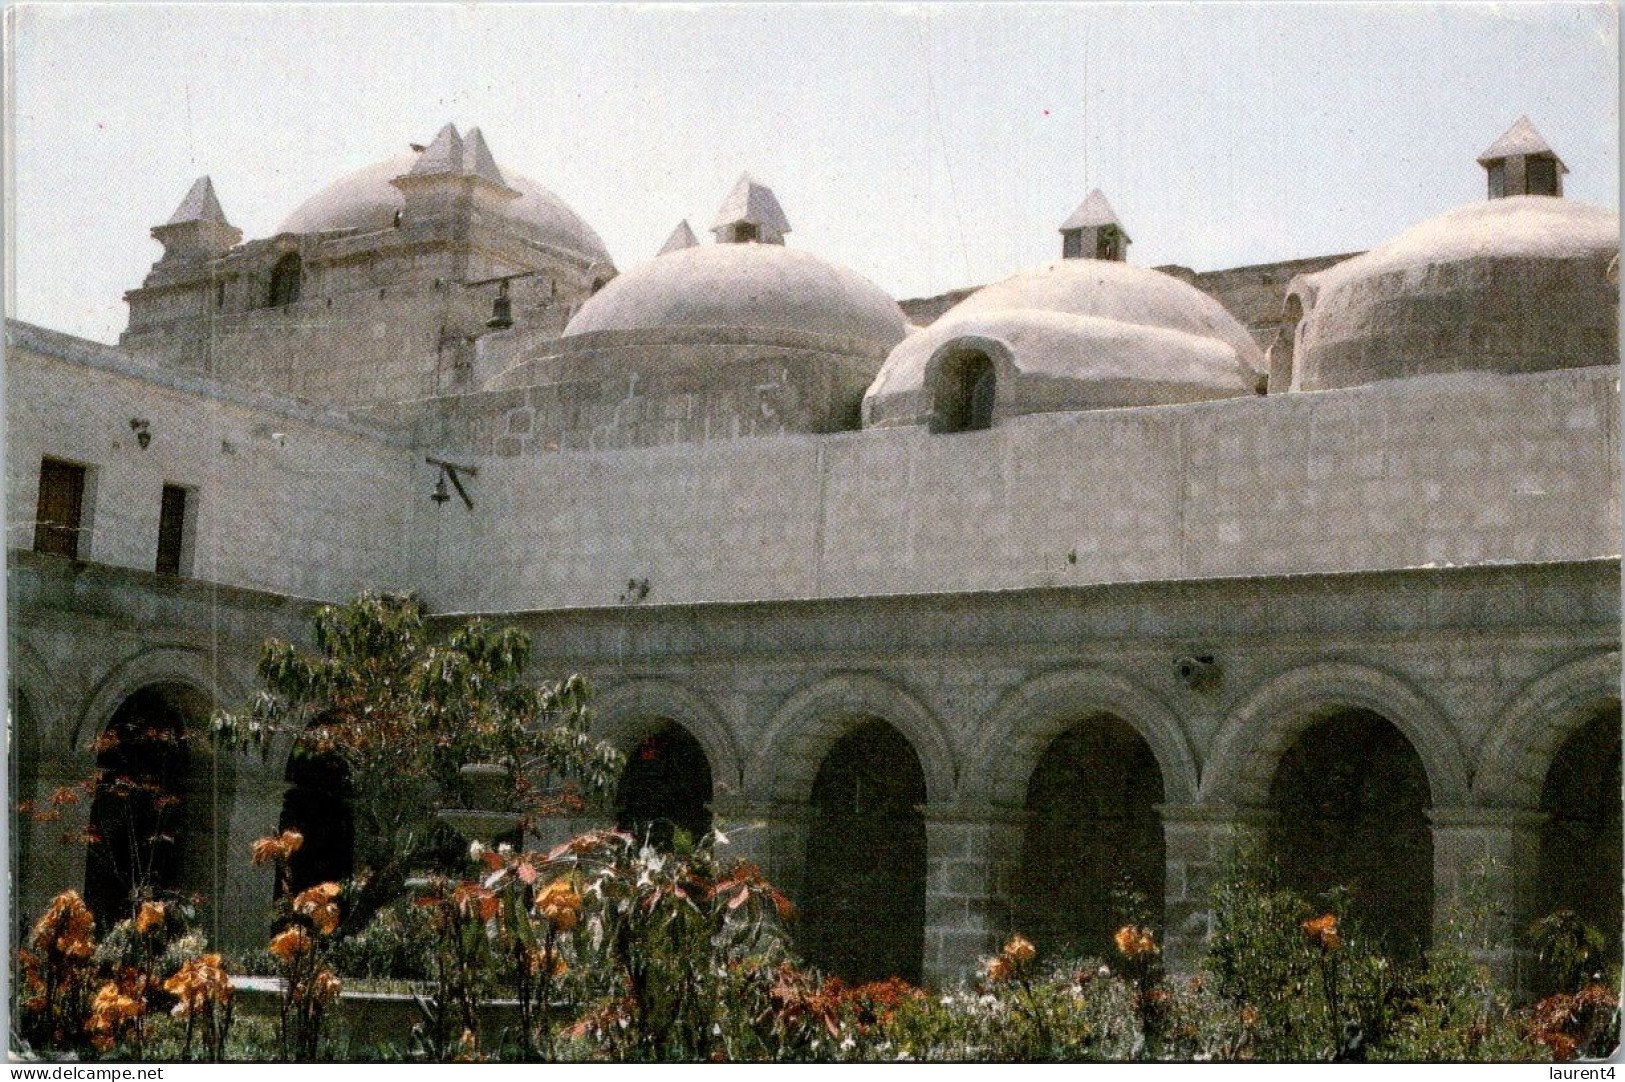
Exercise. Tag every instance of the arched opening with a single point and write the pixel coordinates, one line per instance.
(152, 816)
(863, 911)
(1350, 799)
(285, 280)
(1283, 351)
(665, 788)
(317, 805)
(965, 385)
(1093, 857)
(1581, 840)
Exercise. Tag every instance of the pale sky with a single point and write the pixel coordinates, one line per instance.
(928, 147)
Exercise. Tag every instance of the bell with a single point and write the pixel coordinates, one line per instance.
(440, 495)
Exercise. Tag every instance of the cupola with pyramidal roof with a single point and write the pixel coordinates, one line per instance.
(681, 237)
(751, 213)
(1093, 232)
(453, 168)
(1521, 163)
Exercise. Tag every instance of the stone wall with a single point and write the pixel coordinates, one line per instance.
(1406, 474)
(285, 499)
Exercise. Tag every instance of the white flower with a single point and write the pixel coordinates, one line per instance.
(848, 1044)
(504, 850)
(1105, 971)
(475, 850)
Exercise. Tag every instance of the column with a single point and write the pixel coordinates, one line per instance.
(1199, 841)
(1486, 862)
(973, 854)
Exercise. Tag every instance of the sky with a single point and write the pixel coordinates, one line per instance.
(928, 147)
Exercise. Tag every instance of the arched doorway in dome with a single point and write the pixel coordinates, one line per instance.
(1350, 800)
(665, 788)
(863, 905)
(962, 392)
(1580, 866)
(155, 805)
(317, 805)
(1093, 855)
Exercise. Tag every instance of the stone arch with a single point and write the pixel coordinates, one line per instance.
(628, 712)
(1029, 719)
(1529, 731)
(158, 665)
(963, 382)
(1250, 743)
(809, 723)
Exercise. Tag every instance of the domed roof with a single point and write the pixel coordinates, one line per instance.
(367, 201)
(741, 287)
(1077, 334)
(1517, 284)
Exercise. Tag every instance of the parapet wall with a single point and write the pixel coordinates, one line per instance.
(1409, 474)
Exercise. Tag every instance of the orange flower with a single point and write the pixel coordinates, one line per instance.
(326, 986)
(471, 899)
(150, 917)
(542, 961)
(320, 905)
(291, 943)
(1000, 969)
(200, 983)
(1322, 931)
(281, 847)
(559, 905)
(1249, 1015)
(1134, 942)
(1020, 950)
(66, 927)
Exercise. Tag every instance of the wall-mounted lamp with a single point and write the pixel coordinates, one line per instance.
(450, 471)
(140, 428)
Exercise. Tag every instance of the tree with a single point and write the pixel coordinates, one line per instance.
(404, 713)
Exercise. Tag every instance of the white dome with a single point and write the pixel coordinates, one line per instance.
(367, 201)
(1507, 285)
(742, 287)
(1077, 334)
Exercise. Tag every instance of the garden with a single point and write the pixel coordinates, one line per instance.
(452, 940)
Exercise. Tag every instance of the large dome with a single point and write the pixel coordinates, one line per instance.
(367, 201)
(1518, 284)
(743, 287)
(1075, 334)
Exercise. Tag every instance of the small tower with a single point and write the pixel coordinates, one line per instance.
(1093, 232)
(451, 173)
(1521, 163)
(681, 237)
(750, 213)
(198, 229)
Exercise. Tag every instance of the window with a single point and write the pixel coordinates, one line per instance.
(1072, 244)
(174, 532)
(57, 521)
(220, 294)
(1108, 243)
(285, 280)
(746, 231)
(1498, 180)
(964, 398)
(1541, 174)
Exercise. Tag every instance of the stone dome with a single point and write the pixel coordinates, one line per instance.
(1518, 284)
(367, 201)
(744, 287)
(1075, 334)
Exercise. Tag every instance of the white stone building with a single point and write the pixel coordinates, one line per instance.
(963, 610)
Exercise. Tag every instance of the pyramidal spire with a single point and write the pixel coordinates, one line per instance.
(477, 158)
(681, 237)
(200, 205)
(750, 213)
(1521, 138)
(1094, 232)
(444, 155)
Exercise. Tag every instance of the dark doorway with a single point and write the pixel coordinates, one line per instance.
(666, 788)
(863, 915)
(1093, 858)
(1581, 839)
(58, 515)
(1350, 799)
(285, 280)
(317, 805)
(139, 825)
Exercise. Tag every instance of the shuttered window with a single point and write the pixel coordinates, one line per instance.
(61, 507)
